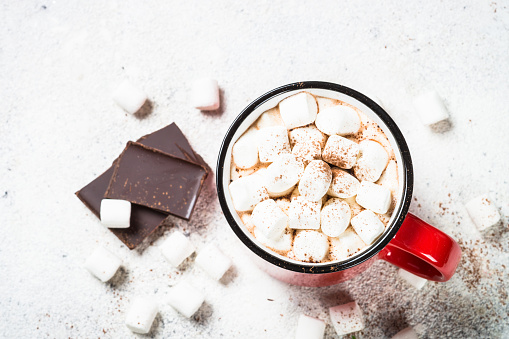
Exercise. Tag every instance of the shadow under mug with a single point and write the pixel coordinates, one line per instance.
(408, 242)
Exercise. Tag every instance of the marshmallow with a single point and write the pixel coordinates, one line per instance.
(310, 246)
(141, 315)
(298, 110)
(412, 279)
(280, 244)
(339, 119)
(389, 177)
(248, 191)
(284, 204)
(270, 118)
(354, 206)
(483, 212)
(103, 264)
(430, 108)
(347, 244)
(309, 328)
(236, 173)
(335, 217)
(115, 213)
(185, 299)
(315, 181)
(367, 225)
(343, 185)
(213, 261)
(340, 152)
(205, 94)
(282, 175)
(129, 97)
(407, 333)
(347, 318)
(308, 151)
(372, 161)
(374, 197)
(304, 214)
(307, 134)
(245, 150)
(177, 248)
(272, 142)
(270, 219)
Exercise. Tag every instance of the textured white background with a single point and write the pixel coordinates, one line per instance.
(59, 129)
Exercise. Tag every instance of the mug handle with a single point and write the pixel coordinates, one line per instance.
(423, 250)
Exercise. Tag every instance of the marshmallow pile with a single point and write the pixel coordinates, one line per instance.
(308, 185)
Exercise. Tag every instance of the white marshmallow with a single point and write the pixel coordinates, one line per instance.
(407, 333)
(335, 217)
(236, 173)
(270, 118)
(141, 315)
(307, 134)
(248, 191)
(270, 219)
(308, 151)
(245, 150)
(430, 108)
(213, 261)
(272, 142)
(284, 204)
(354, 206)
(315, 181)
(282, 175)
(247, 220)
(310, 246)
(347, 244)
(309, 328)
(367, 225)
(340, 152)
(115, 213)
(298, 110)
(205, 94)
(374, 197)
(185, 299)
(372, 161)
(483, 212)
(103, 264)
(281, 244)
(343, 184)
(412, 279)
(304, 214)
(129, 97)
(177, 248)
(347, 318)
(339, 119)
(389, 177)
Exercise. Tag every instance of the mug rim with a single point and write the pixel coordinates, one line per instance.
(327, 267)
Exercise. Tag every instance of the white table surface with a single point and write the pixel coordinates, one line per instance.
(59, 61)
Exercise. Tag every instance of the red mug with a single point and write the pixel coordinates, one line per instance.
(408, 242)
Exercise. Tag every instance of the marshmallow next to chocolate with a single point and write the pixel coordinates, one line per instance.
(115, 213)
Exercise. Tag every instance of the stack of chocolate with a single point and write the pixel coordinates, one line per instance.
(159, 174)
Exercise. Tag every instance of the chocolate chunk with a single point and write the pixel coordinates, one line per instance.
(146, 176)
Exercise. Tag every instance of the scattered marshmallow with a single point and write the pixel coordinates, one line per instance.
(129, 97)
(339, 119)
(310, 246)
(340, 152)
(315, 181)
(367, 225)
(483, 212)
(248, 191)
(335, 217)
(185, 299)
(308, 151)
(298, 110)
(304, 214)
(283, 174)
(407, 333)
(245, 150)
(307, 134)
(272, 142)
(205, 94)
(141, 315)
(372, 161)
(374, 197)
(270, 118)
(309, 328)
(347, 318)
(412, 279)
(282, 244)
(115, 213)
(347, 244)
(431, 108)
(103, 264)
(343, 185)
(213, 261)
(270, 219)
(177, 248)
